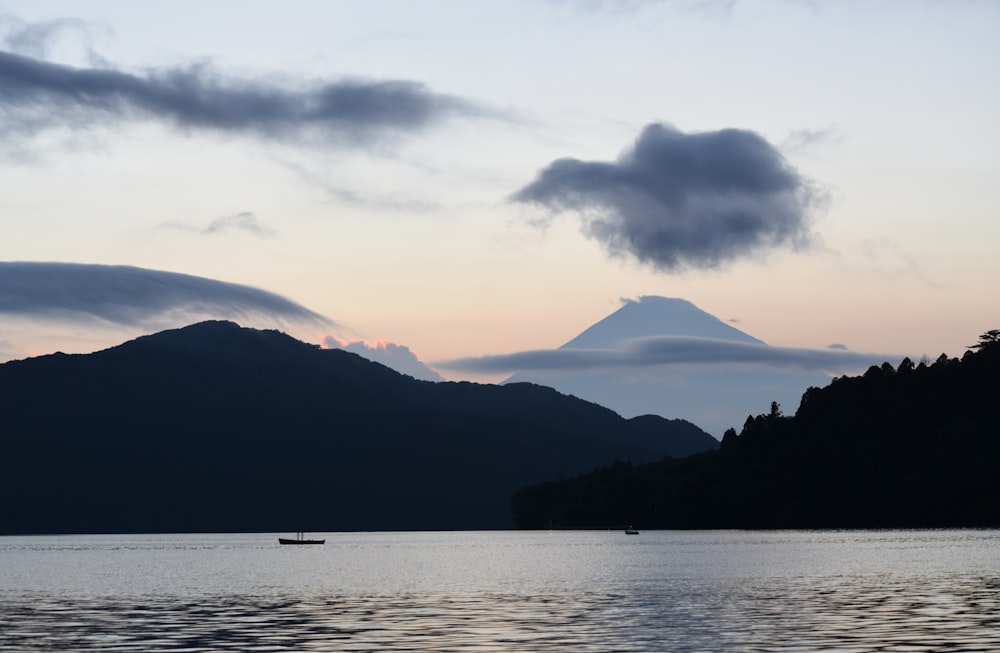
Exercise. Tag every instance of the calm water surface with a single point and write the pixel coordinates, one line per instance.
(900, 591)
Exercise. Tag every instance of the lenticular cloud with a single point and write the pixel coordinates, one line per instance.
(131, 296)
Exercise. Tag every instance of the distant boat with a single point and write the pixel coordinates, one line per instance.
(299, 539)
(631, 531)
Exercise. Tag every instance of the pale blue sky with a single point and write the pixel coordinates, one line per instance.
(407, 234)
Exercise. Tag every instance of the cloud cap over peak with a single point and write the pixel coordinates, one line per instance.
(678, 200)
(639, 353)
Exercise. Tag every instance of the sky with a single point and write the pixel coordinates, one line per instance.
(476, 179)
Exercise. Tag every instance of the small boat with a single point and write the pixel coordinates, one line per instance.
(631, 531)
(299, 539)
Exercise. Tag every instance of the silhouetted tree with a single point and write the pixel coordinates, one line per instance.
(989, 339)
(729, 439)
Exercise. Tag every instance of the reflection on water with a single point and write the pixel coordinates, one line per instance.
(846, 592)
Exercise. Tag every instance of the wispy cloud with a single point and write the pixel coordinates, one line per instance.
(665, 350)
(380, 200)
(135, 297)
(723, 7)
(37, 39)
(678, 200)
(39, 95)
(244, 221)
(802, 140)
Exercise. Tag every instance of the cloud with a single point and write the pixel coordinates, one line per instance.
(397, 357)
(678, 200)
(244, 221)
(386, 201)
(800, 140)
(723, 7)
(135, 297)
(38, 95)
(665, 350)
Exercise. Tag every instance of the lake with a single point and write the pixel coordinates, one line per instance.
(604, 591)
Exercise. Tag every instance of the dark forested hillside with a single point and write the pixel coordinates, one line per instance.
(910, 446)
(219, 428)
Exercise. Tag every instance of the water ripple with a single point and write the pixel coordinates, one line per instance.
(837, 614)
(580, 592)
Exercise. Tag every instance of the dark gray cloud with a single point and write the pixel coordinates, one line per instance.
(678, 200)
(37, 95)
(665, 350)
(135, 297)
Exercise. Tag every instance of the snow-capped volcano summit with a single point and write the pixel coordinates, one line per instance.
(650, 316)
(675, 360)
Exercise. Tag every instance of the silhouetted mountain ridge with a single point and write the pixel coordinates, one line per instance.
(215, 427)
(907, 447)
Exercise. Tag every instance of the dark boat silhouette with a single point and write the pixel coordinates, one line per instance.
(299, 539)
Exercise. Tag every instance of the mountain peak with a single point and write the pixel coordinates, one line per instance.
(714, 395)
(154, 435)
(652, 315)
